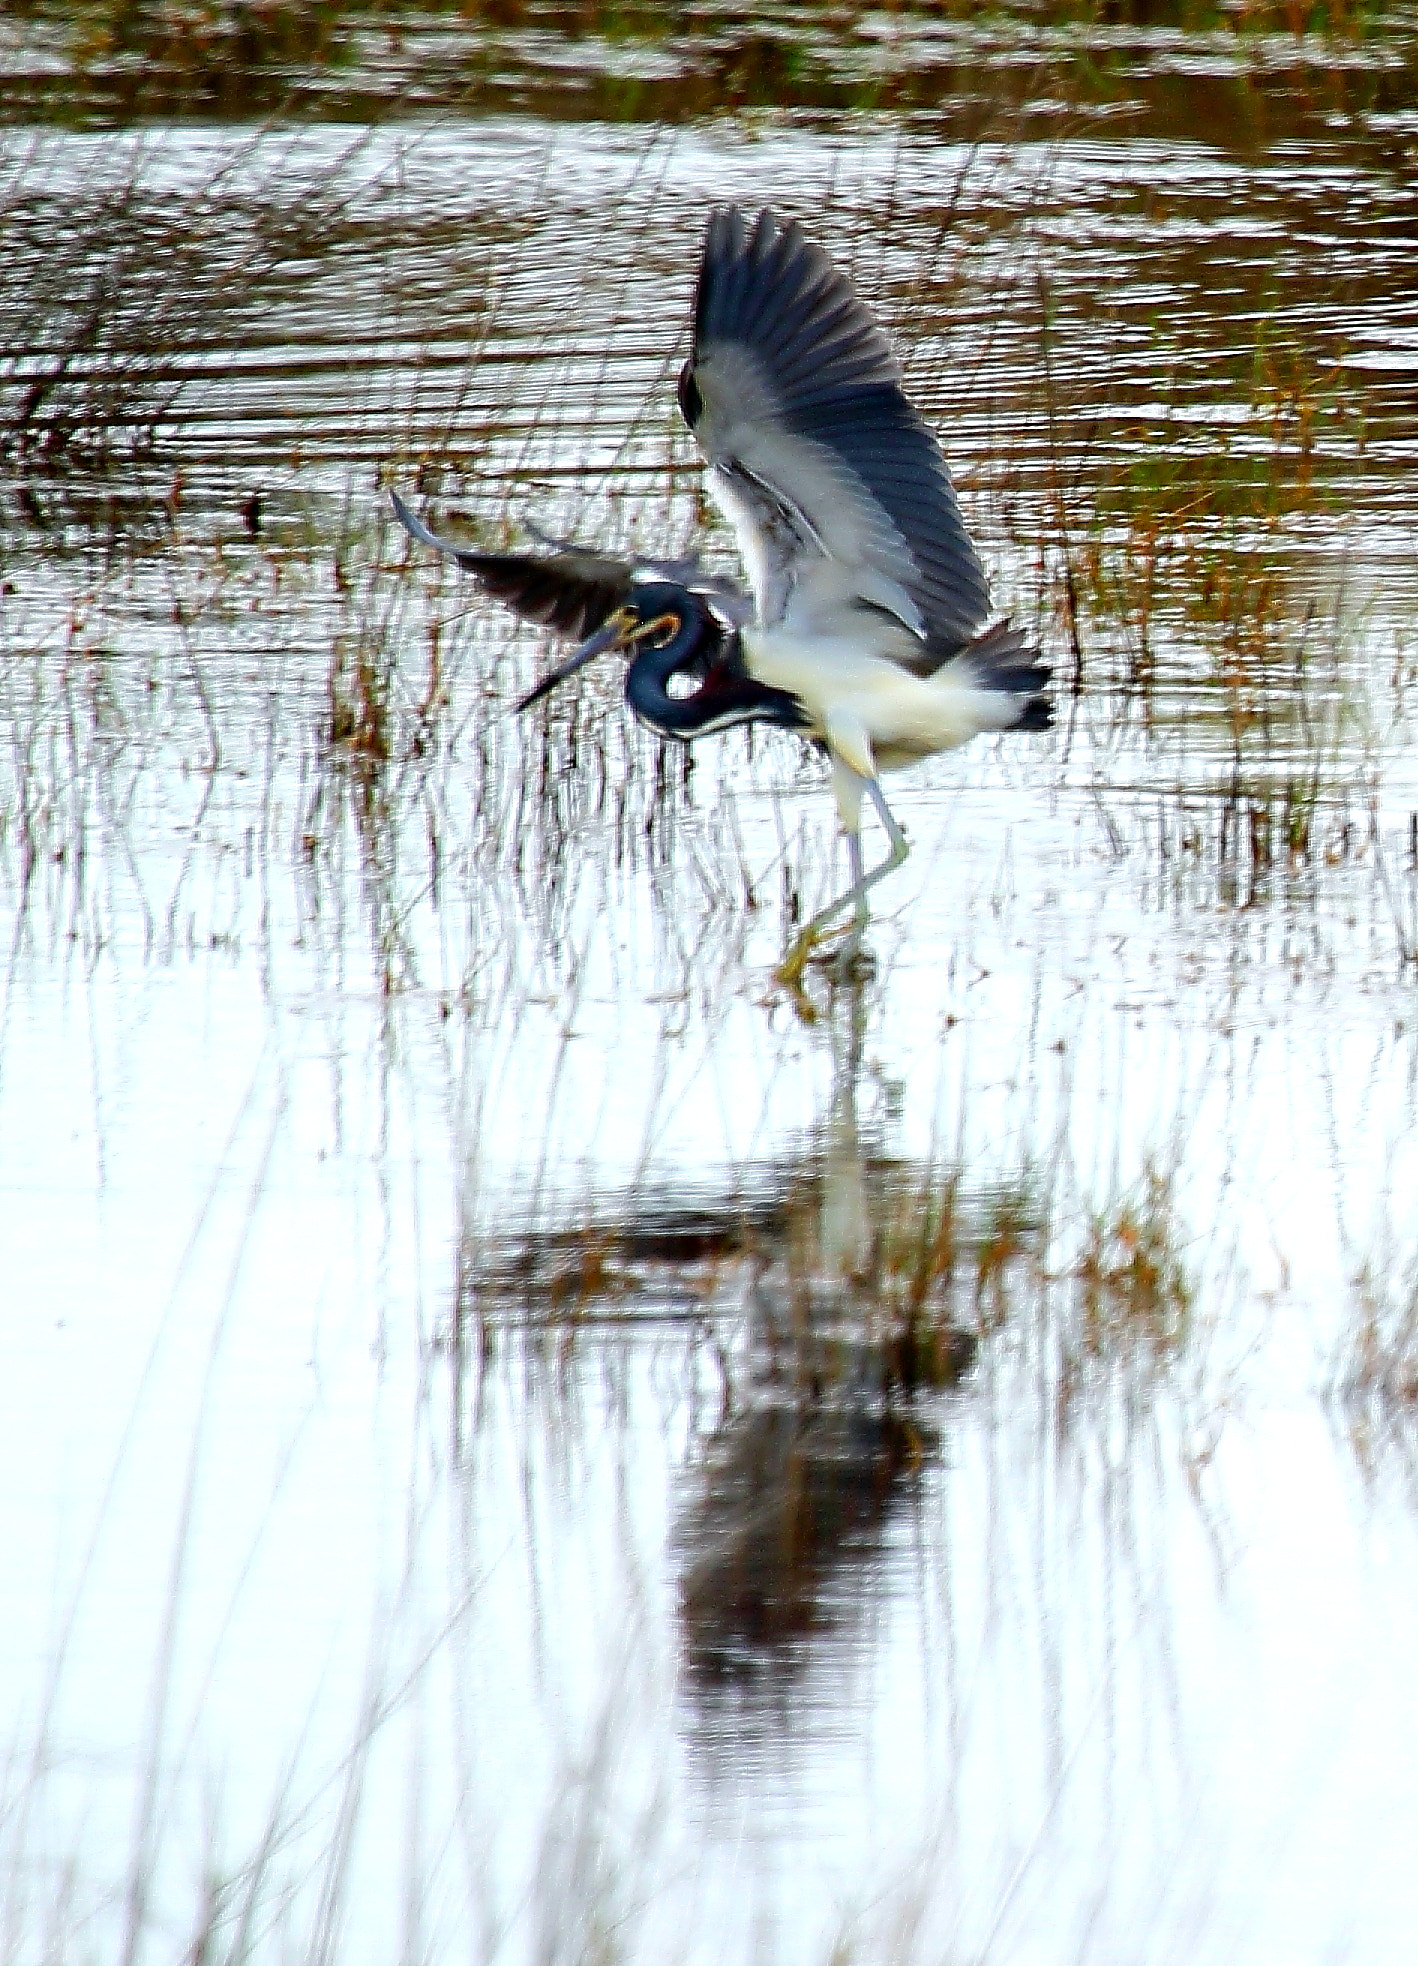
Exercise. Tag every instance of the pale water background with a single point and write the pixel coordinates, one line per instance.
(469, 1489)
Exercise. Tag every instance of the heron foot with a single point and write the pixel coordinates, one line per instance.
(789, 973)
(848, 963)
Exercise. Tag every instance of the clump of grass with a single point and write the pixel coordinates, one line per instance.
(587, 1275)
(1135, 1292)
(1378, 1360)
(924, 1260)
(1196, 525)
(359, 704)
(1011, 1227)
(950, 1262)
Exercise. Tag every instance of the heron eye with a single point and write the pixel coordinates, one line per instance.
(660, 633)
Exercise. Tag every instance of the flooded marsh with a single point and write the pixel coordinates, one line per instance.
(517, 1445)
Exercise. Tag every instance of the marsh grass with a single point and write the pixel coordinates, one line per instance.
(118, 331)
(1187, 535)
(1373, 1368)
(1135, 1292)
(1206, 521)
(1379, 1362)
(243, 57)
(359, 705)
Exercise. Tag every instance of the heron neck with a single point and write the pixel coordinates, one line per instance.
(726, 693)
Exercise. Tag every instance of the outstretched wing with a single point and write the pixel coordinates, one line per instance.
(569, 591)
(688, 571)
(836, 487)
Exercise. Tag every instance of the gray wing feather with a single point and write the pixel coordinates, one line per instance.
(796, 399)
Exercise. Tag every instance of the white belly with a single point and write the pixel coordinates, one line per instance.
(904, 716)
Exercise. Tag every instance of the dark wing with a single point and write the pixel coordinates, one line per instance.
(730, 599)
(569, 591)
(835, 485)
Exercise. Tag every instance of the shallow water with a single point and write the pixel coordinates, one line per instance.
(517, 1445)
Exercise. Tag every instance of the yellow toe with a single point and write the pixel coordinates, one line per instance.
(789, 973)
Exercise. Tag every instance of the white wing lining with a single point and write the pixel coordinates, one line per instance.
(836, 487)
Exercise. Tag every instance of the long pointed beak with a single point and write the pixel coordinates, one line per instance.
(608, 636)
(413, 524)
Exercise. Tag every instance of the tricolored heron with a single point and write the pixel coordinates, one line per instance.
(866, 630)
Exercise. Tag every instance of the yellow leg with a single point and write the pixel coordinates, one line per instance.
(790, 971)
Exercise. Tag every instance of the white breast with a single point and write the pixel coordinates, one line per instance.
(905, 717)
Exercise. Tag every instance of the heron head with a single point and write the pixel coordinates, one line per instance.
(669, 625)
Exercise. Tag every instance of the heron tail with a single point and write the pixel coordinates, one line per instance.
(1004, 660)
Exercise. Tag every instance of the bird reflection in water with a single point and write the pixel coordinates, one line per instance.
(835, 1351)
(790, 1509)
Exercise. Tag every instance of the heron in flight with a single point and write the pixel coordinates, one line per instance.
(866, 630)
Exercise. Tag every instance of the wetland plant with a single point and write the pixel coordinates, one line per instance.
(118, 330)
(1135, 1294)
(1375, 1368)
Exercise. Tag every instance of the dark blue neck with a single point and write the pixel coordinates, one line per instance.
(725, 694)
(705, 653)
